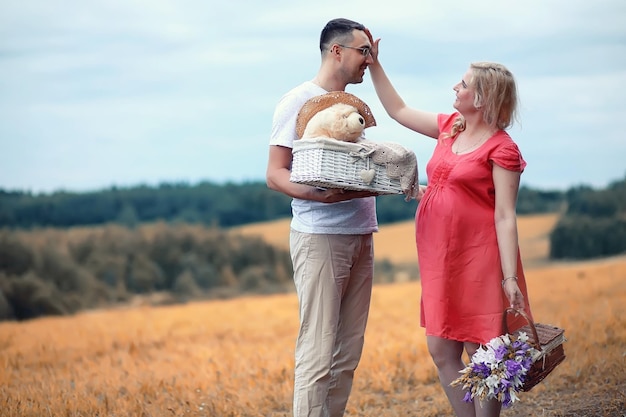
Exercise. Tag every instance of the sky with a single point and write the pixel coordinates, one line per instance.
(102, 93)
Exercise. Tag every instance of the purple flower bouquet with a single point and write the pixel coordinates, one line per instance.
(498, 369)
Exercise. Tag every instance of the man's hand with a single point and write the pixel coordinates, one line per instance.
(334, 195)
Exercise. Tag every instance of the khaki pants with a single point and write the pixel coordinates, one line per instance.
(333, 278)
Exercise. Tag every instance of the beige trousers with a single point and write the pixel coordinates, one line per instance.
(333, 279)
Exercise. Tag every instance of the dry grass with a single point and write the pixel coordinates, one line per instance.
(235, 358)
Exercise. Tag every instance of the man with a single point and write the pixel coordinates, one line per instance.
(331, 240)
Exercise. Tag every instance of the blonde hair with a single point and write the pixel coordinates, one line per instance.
(495, 92)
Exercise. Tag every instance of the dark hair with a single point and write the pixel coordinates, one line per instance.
(337, 28)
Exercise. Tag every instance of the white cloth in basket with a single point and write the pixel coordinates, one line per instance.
(400, 162)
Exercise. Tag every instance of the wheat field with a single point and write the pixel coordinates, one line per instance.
(396, 242)
(235, 357)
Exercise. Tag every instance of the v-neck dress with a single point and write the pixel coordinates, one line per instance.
(458, 256)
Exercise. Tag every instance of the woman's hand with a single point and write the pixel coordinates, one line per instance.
(374, 49)
(514, 294)
(420, 192)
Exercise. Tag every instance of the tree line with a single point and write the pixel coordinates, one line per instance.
(63, 271)
(53, 272)
(206, 203)
(222, 205)
(593, 224)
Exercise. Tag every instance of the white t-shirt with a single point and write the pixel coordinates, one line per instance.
(354, 217)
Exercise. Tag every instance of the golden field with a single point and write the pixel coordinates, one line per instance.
(235, 358)
(396, 242)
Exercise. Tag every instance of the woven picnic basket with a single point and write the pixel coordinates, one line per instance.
(547, 339)
(329, 163)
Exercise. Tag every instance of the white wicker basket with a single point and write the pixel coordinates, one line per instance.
(330, 163)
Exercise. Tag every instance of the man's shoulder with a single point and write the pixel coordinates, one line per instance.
(306, 87)
(302, 92)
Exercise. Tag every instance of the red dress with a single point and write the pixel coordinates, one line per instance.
(459, 261)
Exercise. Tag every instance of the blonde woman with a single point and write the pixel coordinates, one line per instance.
(466, 225)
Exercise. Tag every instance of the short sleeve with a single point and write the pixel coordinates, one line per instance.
(286, 113)
(445, 122)
(508, 156)
(284, 120)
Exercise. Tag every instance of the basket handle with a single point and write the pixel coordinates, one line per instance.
(533, 329)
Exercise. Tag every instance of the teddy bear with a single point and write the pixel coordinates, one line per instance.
(340, 121)
(338, 115)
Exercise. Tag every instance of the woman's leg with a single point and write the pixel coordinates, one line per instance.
(447, 357)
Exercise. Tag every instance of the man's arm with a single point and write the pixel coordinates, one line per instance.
(279, 171)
